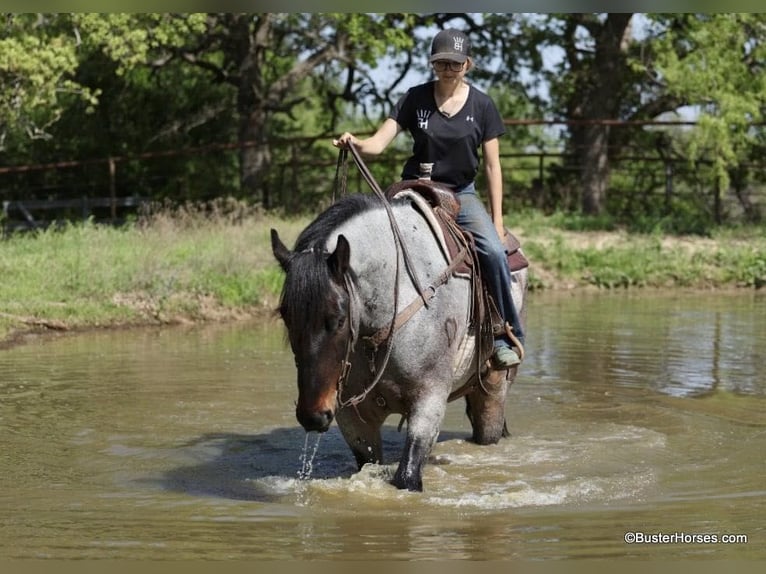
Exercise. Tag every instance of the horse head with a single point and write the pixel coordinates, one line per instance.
(315, 307)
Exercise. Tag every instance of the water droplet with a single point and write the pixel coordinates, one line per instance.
(306, 459)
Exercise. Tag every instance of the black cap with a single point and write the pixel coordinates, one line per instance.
(450, 45)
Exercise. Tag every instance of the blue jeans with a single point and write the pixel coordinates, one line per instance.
(495, 272)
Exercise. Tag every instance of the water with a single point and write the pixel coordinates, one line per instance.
(636, 414)
(307, 458)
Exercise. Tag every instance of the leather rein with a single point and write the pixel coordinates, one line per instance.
(385, 333)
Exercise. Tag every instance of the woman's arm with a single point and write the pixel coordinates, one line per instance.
(494, 174)
(374, 144)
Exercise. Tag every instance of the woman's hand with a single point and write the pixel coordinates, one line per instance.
(374, 144)
(344, 140)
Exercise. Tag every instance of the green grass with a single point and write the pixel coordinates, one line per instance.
(606, 256)
(179, 265)
(215, 262)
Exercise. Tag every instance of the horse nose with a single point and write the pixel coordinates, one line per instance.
(315, 420)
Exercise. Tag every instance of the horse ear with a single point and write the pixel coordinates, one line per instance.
(281, 252)
(339, 259)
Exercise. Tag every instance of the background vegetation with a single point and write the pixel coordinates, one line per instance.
(211, 262)
(276, 88)
(224, 121)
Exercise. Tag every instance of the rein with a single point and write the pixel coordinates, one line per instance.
(346, 366)
(401, 250)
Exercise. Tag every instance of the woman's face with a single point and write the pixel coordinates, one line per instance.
(448, 70)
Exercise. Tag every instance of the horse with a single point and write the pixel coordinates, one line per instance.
(351, 273)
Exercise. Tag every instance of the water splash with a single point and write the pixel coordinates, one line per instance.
(306, 459)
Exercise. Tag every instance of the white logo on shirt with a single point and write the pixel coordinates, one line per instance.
(469, 118)
(423, 116)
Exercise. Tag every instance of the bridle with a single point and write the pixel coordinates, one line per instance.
(345, 366)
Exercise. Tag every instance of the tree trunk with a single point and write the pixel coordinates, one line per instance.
(254, 156)
(598, 96)
(595, 173)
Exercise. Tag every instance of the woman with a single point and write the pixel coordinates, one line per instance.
(449, 120)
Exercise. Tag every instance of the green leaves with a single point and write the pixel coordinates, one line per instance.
(164, 81)
(715, 63)
(130, 38)
(38, 61)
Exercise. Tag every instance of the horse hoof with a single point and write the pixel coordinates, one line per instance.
(408, 483)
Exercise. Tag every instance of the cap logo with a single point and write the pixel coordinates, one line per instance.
(458, 43)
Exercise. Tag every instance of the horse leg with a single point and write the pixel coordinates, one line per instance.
(485, 407)
(423, 425)
(362, 434)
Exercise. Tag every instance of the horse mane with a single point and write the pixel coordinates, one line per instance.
(316, 234)
(307, 283)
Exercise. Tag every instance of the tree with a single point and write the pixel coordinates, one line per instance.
(591, 81)
(272, 61)
(174, 80)
(711, 62)
(716, 63)
(592, 98)
(38, 60)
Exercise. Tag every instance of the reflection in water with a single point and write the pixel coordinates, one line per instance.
(631, 413)
(680, 345)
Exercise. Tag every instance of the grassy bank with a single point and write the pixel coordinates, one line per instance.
(566, 254)
(216, 264)
(182, 266)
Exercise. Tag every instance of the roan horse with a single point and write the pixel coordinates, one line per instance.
(347, 279)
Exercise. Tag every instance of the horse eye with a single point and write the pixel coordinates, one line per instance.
(333, 324)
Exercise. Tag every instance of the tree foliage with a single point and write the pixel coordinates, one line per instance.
(275, 64)
(716, 63)
(38, 60)
(94, 84)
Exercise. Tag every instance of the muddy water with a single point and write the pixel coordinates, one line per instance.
(632, 414)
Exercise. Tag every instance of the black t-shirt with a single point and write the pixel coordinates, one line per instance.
(450, 143)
